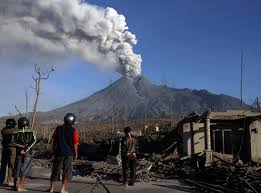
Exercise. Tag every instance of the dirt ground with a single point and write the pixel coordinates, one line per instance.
(39, 183)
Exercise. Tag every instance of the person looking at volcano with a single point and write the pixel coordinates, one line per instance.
(128, 156)
(8, 152)
(65, 147)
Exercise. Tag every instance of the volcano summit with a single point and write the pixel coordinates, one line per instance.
(139, 98)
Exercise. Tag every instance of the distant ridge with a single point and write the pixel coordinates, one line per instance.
(139, 98)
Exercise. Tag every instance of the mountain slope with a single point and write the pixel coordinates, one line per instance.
(127, 98)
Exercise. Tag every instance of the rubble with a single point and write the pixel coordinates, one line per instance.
(224, 178)
(159, 160)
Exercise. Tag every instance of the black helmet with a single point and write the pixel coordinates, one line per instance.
(69, 119)
(127, 130)
(11, 123)
(23, 122)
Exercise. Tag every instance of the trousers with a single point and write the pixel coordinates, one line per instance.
(128, 167)
(7, 159)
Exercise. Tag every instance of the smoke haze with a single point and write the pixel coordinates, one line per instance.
(50, 30)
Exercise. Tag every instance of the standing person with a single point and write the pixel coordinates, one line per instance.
(128, 156)
(65, 146)
(8, 152)
(24, 140)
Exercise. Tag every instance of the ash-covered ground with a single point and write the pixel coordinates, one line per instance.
(85, 177)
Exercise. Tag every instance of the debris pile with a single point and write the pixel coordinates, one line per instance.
(159, 160)
(224, 179)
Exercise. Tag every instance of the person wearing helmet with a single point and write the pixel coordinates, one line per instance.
(65, 147)
(128, 156)
(8, 152)
(24, 139)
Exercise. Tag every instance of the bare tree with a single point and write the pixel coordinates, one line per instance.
(256, 106)
(114, 113)
(242, 65)
(171, 114)
(18, 111)
(26, 103)
(38, 77)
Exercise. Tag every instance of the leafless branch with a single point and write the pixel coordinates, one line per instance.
(34, 78)
(37, 77)
(17, 109)
(26, 103)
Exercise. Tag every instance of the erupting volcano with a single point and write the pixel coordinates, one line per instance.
(139, 98)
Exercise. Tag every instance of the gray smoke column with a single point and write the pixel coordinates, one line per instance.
(67, 28)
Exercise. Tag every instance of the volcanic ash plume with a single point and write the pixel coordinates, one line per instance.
(68, 28)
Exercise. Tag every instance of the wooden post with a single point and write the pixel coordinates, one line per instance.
(214, 140)
(223, 141)
(241, 77)
(192, 138)
(208, 151)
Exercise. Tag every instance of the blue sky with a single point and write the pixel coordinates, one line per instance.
(185, 43)
(196, 44)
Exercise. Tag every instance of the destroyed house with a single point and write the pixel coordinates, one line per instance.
(232, 135)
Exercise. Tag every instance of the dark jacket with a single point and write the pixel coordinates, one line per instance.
(24, 139)
(7, 135)
(63, 144)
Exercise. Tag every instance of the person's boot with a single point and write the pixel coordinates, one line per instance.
(2, 177)
(15, 184)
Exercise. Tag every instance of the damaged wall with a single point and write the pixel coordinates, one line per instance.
(232, 135)
(192, 145)
(255, 134)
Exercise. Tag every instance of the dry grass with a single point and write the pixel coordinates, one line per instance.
(89, 131)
